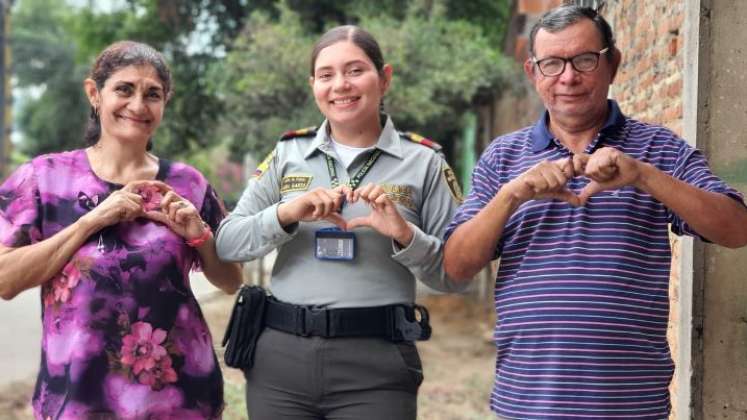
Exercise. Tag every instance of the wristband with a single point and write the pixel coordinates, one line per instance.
(206, 233)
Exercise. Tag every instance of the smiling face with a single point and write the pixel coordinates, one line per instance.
(573, 97)
(130, 104)
(347, 86)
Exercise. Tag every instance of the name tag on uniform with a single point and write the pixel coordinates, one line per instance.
(335, 244)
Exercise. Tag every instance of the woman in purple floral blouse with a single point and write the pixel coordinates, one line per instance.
(110, 234)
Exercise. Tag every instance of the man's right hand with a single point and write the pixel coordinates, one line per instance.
(546, 180)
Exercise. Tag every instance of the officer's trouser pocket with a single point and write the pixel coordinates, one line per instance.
(411, 360)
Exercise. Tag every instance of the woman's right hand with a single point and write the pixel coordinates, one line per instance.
(123, 205)
(317, 204)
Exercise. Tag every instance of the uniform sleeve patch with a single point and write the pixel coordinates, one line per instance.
(400, 194)
(452, 182)
(291, 183)
(262, 167)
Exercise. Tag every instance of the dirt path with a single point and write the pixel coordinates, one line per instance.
(458, 364)
(458, 361)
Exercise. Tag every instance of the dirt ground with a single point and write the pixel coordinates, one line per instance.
(458, 363)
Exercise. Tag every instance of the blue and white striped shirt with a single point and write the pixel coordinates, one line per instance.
(582, 293)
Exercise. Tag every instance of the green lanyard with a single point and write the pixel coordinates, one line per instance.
(355, 181)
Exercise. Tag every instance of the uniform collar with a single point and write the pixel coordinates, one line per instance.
(541, 136)
(388, 142)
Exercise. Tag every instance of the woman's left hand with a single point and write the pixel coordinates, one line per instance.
(384, 217)
(180, 215)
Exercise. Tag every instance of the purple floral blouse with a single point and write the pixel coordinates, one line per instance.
(123, 335)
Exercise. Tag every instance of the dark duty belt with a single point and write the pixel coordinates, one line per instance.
(393, 322)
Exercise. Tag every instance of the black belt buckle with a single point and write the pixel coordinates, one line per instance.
(407, 327)
(315, 321)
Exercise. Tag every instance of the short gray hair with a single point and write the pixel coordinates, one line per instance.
(564, 16)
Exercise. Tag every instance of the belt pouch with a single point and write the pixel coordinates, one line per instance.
(246, 324)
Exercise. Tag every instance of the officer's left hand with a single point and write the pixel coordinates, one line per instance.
(608, 169)
(384, 217)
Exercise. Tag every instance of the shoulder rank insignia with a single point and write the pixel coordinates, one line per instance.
(417, 138)
(303, 132)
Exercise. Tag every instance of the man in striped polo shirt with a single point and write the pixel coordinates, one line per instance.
(578, 207)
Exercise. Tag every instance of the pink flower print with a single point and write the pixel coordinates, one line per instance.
(161, 374)
(142, 348)
(62, 285)
(151, 198)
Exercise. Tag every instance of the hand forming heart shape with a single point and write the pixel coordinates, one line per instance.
(325, 204)
(607, 168)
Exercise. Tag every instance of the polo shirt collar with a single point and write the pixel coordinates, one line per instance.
(389, 140)
(541, 136)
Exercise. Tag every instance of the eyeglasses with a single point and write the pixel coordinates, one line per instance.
(583, 63)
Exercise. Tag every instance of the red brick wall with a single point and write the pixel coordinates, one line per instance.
(533, 7)
(648, 87)
(649, 82)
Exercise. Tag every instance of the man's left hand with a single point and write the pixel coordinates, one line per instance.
(608, 169)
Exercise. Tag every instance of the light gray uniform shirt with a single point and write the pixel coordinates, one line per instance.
(415, 177)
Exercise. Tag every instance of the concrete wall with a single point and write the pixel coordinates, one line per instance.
(649, 83)
(723, 380)
(686, 59)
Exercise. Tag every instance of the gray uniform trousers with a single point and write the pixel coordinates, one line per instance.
(332, 378)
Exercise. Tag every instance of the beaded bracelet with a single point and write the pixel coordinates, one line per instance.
(206, 234)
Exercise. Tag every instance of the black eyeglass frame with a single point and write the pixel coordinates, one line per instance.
(598, 54)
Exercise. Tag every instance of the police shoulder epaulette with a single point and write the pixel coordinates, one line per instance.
(303, 132)
(417, 138)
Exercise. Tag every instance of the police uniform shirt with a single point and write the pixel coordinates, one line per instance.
(416, 178)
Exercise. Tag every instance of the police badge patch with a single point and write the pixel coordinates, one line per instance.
(453, 183)
(296, 182)
(401, 194)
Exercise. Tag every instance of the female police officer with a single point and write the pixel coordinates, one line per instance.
(357, 211)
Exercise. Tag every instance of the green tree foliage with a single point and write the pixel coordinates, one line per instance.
(44, 59)
(173, 28)
(240, 67)
(264, 82)
(490, 15)
(441, 66)
(54, 46)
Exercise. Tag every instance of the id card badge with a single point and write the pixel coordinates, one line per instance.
(334, 244)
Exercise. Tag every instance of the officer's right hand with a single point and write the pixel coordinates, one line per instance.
(317, 204)
(545, 180)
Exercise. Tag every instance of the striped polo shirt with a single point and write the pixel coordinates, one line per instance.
(582, 293)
